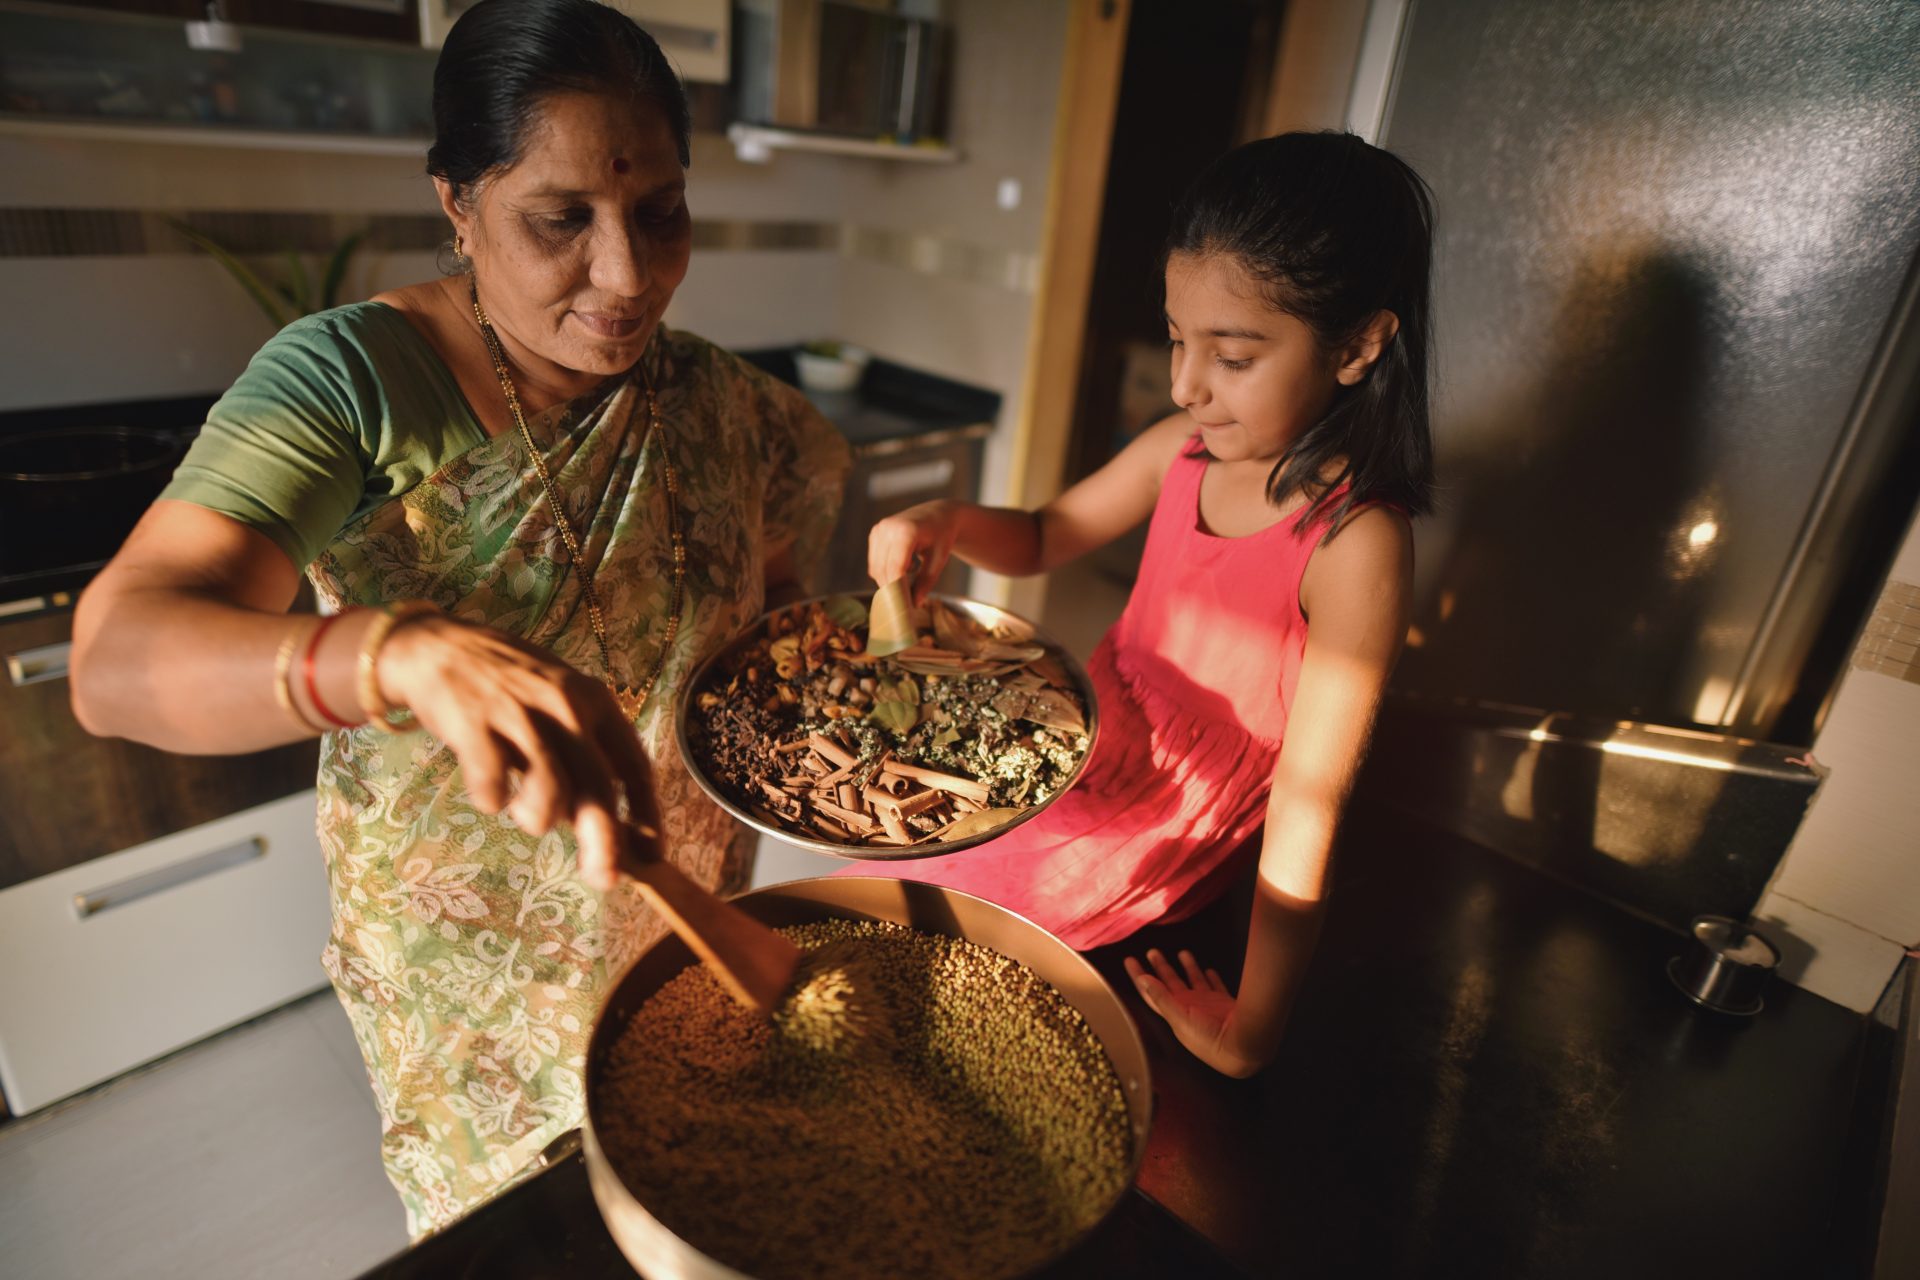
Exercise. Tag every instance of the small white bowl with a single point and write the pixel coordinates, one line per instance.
(829, 373)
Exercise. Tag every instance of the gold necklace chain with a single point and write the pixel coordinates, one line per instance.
(631, 699)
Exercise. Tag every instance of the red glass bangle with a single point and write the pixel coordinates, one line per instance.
(307, 664)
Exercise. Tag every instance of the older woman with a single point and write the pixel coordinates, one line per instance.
(529, 510)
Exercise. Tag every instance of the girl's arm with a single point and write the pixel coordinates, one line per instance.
(1017, 543)
(1355, 595)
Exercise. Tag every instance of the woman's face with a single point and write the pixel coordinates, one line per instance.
(578, 247)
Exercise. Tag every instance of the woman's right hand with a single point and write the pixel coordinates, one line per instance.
(534, 737)
(917, 541)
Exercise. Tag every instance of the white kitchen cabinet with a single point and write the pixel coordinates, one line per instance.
(117, 961)
(694, 34)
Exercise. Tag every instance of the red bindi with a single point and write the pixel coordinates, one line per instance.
(619, 164)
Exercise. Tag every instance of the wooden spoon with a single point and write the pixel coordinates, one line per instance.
(755, 964)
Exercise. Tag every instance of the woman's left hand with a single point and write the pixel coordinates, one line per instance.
(1197, 1006)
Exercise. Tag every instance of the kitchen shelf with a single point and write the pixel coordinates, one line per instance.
(757, 143)
(194, 135)
(127, 77)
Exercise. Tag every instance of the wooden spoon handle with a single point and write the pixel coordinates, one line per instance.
(753, 962)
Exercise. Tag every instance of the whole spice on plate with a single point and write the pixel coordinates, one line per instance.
(971, 1127)
(954, 734)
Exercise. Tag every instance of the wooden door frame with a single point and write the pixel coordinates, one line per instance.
(1320, 43)
(1070, 239)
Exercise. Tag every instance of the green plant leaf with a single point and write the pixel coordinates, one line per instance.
(244, 275)
(299, 288)
(337, 270)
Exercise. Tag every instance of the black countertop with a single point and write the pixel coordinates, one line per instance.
(49, 584)
(892, 409)
(892, 403)
(1487, 1074)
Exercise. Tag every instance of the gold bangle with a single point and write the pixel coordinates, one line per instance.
(283, 675)
(372, 703)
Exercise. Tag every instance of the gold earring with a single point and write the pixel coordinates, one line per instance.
(458, 251)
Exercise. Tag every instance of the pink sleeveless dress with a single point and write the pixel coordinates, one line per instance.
(1195, 681)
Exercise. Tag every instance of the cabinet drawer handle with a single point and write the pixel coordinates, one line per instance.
(134, 888)
(31, 666)
(912, 478)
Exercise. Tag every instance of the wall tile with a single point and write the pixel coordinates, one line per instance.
(1851, 878)
(1857, 854)
(114, 328)
(1826, 955)
(1890, 642)
(760, 298)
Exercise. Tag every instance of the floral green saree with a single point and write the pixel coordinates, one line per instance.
(470, 959)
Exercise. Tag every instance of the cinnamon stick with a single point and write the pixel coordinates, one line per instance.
(967, 787)
(890, 819)
(830, 750)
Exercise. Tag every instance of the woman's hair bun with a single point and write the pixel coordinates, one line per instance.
(504, 56)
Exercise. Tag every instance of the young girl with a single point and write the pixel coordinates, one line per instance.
(1241, 682)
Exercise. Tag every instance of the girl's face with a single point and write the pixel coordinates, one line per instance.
(579, 246)
(1252, 378)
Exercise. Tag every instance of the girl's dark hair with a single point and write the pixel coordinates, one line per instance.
(503, 56)
(1334, 230)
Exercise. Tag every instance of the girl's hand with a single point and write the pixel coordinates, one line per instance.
(533, 736)
(918, 541)
(1197, 1006)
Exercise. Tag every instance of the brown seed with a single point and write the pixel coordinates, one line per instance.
(948, 1092)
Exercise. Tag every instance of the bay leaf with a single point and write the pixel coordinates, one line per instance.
(1007, 652)
(847, 611)
(1050, 670)
(899, 717)
(975, 823)
(890, 620)
(965, 667)
(953, 630)
(1053, 709)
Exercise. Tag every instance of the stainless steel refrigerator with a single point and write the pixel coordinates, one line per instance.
(1675, 421)
(1675, 290)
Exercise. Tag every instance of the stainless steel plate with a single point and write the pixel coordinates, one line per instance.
(979, 611)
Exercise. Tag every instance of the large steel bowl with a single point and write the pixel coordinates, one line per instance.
(980, 611)
(654, 1250)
